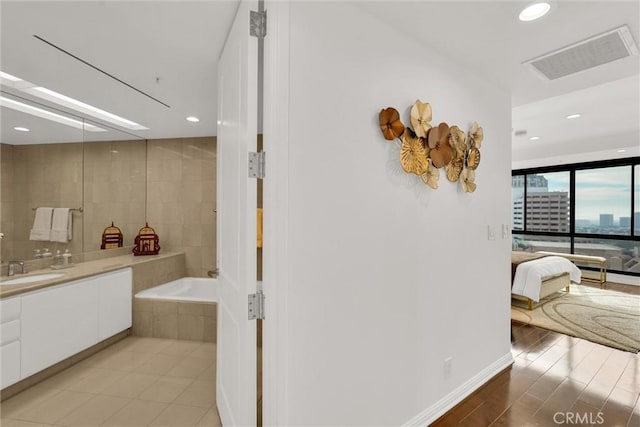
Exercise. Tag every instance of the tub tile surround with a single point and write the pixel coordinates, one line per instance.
(175, 320)
(150, 274)
(180, 390)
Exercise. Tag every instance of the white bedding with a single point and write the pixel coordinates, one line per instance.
(529, 275)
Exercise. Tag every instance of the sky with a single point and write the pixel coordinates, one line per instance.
(606, 191)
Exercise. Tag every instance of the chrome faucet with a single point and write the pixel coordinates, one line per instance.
(11, 267)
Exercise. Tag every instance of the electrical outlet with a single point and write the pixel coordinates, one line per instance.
(447, 366)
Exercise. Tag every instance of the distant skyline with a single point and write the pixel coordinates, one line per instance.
(602, 191)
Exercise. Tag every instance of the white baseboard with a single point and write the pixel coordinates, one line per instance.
(437, 410)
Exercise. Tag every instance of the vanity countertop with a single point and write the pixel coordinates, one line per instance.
(78, 271)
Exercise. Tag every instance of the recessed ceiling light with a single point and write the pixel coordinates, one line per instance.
(534, 138)
(193, 119)
(534, 11)
(49, 115)
(21, 129)
(622, 151)
(574, 116)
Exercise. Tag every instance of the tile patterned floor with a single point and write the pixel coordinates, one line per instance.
(135, 382)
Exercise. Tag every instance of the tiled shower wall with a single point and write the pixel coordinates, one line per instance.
(181, 194)
(177, 174)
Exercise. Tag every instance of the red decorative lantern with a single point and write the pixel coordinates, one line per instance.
(146, 242)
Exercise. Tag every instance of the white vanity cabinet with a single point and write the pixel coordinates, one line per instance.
(114, 302)
(10, 340)
(62, 320)
(58, 322)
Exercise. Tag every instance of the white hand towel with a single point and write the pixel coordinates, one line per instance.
(42, 225)
(61, 225)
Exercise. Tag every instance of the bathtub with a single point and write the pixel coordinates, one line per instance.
(194, 289)
(183, 309)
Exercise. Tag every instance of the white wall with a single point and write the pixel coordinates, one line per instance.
(385, 277)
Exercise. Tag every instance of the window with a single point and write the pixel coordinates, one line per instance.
(621, 255)
(588, 208)
(636, 210)
(603, 200)
(547, 206)
(537, 243)
(517, 202)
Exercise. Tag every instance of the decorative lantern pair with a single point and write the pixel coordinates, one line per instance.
(146, 242)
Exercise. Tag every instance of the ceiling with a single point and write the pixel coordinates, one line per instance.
(488, 38)
(169, 51)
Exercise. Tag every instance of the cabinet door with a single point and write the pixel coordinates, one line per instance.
(56, 323)
(9, 309)
(10, 356)
(9, 332)
(114, 302)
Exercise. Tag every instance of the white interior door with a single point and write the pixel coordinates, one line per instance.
(236, 223)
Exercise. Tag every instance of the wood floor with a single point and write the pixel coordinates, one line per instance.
(556, 380)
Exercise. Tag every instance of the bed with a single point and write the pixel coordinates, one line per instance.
(535, 276)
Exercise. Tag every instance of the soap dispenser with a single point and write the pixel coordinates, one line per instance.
(67, 260)
(58, 259)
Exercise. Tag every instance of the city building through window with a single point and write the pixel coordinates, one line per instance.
(589, 209)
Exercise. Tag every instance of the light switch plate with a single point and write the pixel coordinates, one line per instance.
(491, 232)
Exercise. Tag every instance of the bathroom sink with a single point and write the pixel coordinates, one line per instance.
(31, 279)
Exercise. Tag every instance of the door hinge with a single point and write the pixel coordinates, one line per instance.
(256, 306)
(256, 164)
(258, 24)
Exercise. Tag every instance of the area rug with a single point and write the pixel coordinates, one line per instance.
(605, 317)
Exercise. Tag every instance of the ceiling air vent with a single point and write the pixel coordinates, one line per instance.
(520, 132)
(589, 53)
